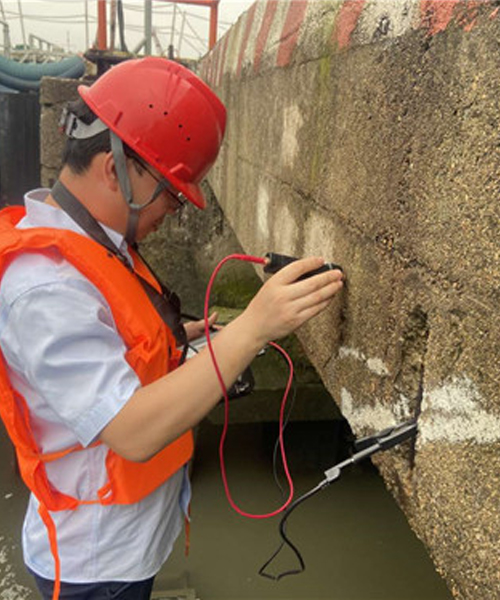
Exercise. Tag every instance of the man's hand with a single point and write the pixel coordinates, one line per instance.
(195, 329)
(283, 304)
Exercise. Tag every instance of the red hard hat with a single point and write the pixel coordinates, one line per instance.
(166, 114)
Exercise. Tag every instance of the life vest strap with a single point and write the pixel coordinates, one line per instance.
(54, 548)
(51, 456)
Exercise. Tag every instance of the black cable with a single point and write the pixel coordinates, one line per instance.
(282, 526)
(286, 540)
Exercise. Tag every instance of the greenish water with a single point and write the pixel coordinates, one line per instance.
(15, 583)
(354, 539)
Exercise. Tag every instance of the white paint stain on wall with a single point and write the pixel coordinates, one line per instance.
(375, 365)
(452, 413)
(386, 19)
(285, 232)
(368, 416)
(292, 122)
(263, 212)
(318, 238)
(455, 413)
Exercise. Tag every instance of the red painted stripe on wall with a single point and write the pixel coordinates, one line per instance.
(291, 30)
(246, 35)
(469, 19)
(346, 22)
(435, 15)
(265, 28)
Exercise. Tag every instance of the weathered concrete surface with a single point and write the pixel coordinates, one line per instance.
(55, 93)
(367, 132)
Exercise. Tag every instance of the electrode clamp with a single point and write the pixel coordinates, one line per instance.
(276, 262)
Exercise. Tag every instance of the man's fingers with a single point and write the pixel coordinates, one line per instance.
(319, 296)
(317, 282)
(213, 318)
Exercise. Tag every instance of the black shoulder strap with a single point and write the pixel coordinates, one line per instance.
(167, 304)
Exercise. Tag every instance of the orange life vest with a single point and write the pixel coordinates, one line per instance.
(151, 352)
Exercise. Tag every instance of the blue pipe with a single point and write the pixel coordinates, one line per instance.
(35, 71)
(7, 90)
(20, 76)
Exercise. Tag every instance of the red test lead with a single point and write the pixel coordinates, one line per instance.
(262, 261)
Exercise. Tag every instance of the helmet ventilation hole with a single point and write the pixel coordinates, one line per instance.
(180, 125)
(188, 139)
(150, 106)
(165, 113)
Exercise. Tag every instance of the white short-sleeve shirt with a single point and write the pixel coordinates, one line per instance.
(66, 357)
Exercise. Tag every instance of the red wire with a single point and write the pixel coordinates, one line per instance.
(258, 260)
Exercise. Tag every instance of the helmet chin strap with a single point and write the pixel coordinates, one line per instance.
(126, 189)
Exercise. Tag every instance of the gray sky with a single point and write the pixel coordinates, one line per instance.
(70, 23)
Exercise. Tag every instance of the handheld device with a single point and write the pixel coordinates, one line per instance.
(275, 262)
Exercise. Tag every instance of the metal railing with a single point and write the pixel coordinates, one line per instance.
(36, 50)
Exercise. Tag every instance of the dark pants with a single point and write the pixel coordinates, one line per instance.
(106, 590)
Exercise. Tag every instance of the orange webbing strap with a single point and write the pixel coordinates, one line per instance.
(52, 533)
(51, 456)
(51, 530)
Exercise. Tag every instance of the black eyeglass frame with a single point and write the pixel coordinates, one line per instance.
(163, 185)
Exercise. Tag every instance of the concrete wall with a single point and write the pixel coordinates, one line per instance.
(55, 93)
(367, 131)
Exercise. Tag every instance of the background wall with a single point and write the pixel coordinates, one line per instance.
(367, 131)
(19, 144)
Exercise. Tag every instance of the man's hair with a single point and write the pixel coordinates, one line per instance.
(78, 153)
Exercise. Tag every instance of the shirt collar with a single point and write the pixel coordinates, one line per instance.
(41, 214)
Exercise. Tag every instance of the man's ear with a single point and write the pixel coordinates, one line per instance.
(109, 172)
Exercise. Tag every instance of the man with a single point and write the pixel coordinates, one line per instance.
(93, 390)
